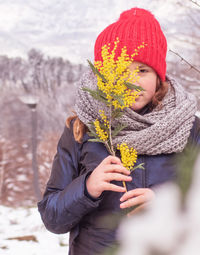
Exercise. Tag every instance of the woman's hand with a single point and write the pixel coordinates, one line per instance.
(137, 197)
(110, 169)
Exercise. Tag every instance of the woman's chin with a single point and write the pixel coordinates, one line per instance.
(137, 107)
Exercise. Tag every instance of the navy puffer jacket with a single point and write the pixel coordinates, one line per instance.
(66, 205)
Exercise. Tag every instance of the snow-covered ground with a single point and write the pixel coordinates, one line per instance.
(17, 224)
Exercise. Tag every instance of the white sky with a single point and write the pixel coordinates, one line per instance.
(69, 28)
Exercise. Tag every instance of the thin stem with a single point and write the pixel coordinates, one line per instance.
(124, 184)
(111, 142)
(108, 148)
(110, 130)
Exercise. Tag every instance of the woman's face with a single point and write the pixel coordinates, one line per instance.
(148, 81)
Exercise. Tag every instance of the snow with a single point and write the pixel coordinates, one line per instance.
(21, 222)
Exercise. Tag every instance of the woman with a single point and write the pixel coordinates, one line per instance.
(85, 187)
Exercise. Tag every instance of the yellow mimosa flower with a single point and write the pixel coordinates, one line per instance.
(116, 72)
(102, 134)
(128, 155)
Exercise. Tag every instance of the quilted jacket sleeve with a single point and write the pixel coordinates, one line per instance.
(195, 133)
(64, 202)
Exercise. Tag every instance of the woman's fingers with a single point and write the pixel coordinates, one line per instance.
(132, 202)
(116, 168)
(113, 187)
(136, 197)
(110, 169)
(117, 177)
(131, 193)
(111, 160)
(137, 192)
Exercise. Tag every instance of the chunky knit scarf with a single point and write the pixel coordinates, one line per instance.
(164, 130)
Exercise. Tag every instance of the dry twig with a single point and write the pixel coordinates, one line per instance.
(184, 60)
(195, 2)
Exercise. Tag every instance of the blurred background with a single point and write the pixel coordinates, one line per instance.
(44, 47)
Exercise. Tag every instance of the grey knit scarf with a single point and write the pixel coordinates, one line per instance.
(164, 130)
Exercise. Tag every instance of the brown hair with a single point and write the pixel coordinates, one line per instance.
(79, 128)
(161, 90)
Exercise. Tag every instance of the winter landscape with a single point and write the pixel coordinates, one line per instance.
(44, 48)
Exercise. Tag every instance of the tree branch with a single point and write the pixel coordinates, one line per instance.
(195, 2)
(182, 59)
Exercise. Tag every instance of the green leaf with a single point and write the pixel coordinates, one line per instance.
(117, 114)
(132, 86)
(92, 134)
(102, 94)
(96, 140)
(95, 94)
(118, 98)
(140, 166)
(91, 123)
(119, 128)
(96, 71)
(89, 90)
(91, 128)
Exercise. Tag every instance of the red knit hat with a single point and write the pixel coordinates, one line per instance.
(134, 27)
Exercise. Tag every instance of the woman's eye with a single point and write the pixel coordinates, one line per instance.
(143, 70)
